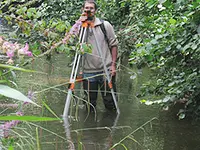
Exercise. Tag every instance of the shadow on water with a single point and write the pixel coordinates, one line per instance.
(136, 128)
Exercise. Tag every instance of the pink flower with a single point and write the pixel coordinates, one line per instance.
(30, 95)
(9, 49)
(75, 28)
(6, 46)
(24, 51)
(19, 113)
(10, 53)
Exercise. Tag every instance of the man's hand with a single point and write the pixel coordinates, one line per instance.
(83, 17)
(113, 70)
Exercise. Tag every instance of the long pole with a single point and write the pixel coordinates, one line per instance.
(74, 73)
(106, 72)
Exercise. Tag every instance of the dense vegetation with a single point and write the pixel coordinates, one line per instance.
(162, 34)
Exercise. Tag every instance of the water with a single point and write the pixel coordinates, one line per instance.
(138, 127)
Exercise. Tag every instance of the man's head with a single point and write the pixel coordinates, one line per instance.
(91, 1)
(89, 9)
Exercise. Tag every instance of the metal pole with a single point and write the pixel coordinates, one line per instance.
(68, 134)
(106, 71)
(74, 73)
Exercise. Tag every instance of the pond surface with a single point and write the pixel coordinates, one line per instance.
(138, 127)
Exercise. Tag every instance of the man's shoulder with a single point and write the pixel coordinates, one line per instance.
(104, 21)
(99, 21)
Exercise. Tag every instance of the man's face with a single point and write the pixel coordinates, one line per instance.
(89, 7)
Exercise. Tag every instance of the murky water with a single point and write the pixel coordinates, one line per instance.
(138, 127)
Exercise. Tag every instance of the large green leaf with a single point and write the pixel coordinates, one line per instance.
(27, 118)
(12, 93)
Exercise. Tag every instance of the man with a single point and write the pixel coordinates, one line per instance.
(93, 69)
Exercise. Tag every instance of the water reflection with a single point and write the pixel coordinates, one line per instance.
(94, 132)
(92, 127)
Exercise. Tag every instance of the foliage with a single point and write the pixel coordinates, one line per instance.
(10, 137)
(164, 35)
(36, 24)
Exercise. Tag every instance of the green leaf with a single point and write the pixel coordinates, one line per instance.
(86, 48)
(33, 10)
(162, 1)
(11, 147)
(139, 45)
(3, 81)
(24, 9)
(12, 93)
(38, 14)
(181, 116)
(194, 46)
(171, 84)
(143, 101)
(149, 57)
(28, 118)
(61, 27)
(49, 109)
(53, 24)
(149, 103)
(191, 13)
(172, 21)
(29, 14)
(166, 99)
(154, 41)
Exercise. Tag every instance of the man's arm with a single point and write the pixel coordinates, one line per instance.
(114, 60)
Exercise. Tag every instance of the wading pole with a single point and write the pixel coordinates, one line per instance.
(74, 72)
(106, 71)
(68, 134)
